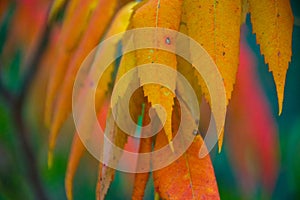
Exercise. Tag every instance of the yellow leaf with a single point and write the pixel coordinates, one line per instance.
(272, 23)
(208, 23)
(167, 14)
(189, 72)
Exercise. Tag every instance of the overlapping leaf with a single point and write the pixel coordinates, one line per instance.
(212, 23)
(119, 138)
(141, 179)
(207, 22)
(78, 12)
(89, 41)
(167, 14)
(189, 177)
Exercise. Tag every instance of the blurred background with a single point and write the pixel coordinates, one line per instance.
(260, 158)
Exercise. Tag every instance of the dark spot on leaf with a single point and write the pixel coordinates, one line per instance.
(168, 41)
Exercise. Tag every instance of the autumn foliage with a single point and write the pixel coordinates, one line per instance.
(216, 25)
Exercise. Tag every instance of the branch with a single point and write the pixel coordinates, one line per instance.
(16, 104)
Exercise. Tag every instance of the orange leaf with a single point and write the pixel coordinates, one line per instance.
(101, 18)
(273, 25)
(77, 150)
(189, 177)
(77, 13)
(141, 179)
(89, 41)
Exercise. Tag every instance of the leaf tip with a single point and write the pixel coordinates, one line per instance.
(220, 144)
(280, 102)
(172, 146)
(156, 196)
(68, 188)
(50, 159)
(280, 96)
(51, 149)
(220, 141)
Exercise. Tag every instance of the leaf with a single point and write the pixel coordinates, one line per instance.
(189, 177)
(89, 41)
(207, 22)
(245, 11)
(77, 16)
(119, 138)
(167, 14)
(77, 150)
(272, 23)
(128, 60)
(252, 135)
(141, 179)
(104, 181)
(189, 72)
